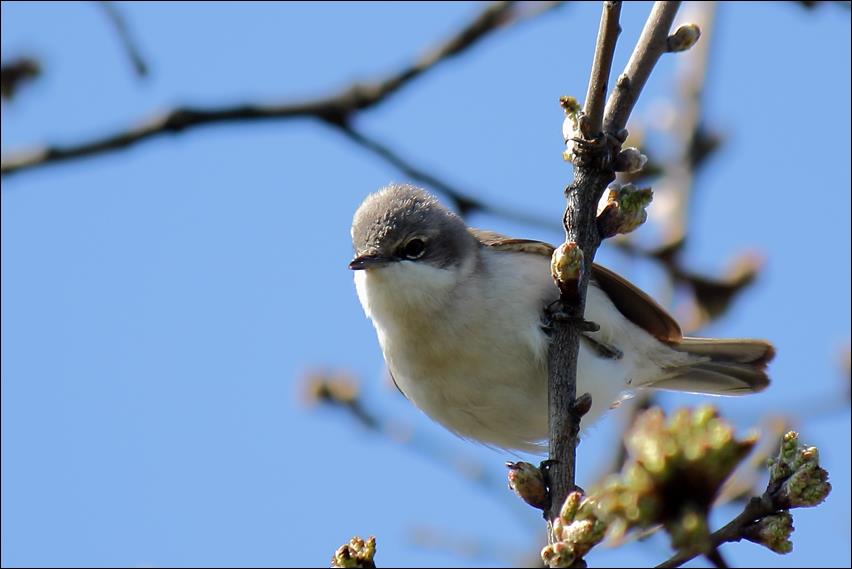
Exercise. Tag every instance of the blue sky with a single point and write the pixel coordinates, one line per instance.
(161, 305)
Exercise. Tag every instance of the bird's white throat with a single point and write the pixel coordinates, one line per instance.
(405, 290)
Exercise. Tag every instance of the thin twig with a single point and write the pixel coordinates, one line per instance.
(463, 202)
(651, 45)
(335, 108)
(601, 67)
(118, 21)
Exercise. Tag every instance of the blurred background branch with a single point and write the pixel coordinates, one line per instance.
(340, 390)
(338, 108)
(113, 13)
(16, 73)
(463, 202)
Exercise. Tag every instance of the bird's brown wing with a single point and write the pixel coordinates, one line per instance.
(500, 242)
(631, 301)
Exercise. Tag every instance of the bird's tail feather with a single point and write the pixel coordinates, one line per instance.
(726, 367)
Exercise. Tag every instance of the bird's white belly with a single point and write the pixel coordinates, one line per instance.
(500, 400)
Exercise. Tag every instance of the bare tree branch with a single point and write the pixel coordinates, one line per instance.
(337, 108)
(118, 21)
(601, 67)
(15, 73)
(651, 45)
(463, 202)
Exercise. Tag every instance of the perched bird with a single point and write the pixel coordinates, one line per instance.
(458, 313)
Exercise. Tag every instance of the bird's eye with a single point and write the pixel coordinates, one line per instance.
(414, 249)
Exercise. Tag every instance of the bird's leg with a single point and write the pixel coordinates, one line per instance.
(555, 312)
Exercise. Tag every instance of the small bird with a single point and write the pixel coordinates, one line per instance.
(459, 317)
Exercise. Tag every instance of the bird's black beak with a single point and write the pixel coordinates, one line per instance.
(363, 262)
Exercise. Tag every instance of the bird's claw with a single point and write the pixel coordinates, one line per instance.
(555, 312)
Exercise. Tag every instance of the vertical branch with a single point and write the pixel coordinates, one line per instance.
(592, 175)
(564, 415)
(593, 150)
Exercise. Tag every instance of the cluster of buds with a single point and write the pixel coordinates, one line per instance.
(773, 532)
(795, 477)
(575, 129)
(674, 474)
(577, 529)
(624, 210)
(356, 553)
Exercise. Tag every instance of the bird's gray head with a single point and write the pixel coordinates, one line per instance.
(404, 223)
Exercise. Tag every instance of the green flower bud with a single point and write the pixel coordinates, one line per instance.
(624, 210)
(575, 532)
(773, 532)
(674, 473)
(570, 507)
(795, 477)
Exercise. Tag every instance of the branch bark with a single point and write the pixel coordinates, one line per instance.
(608, 33)
(593, 172)
(564, 420)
